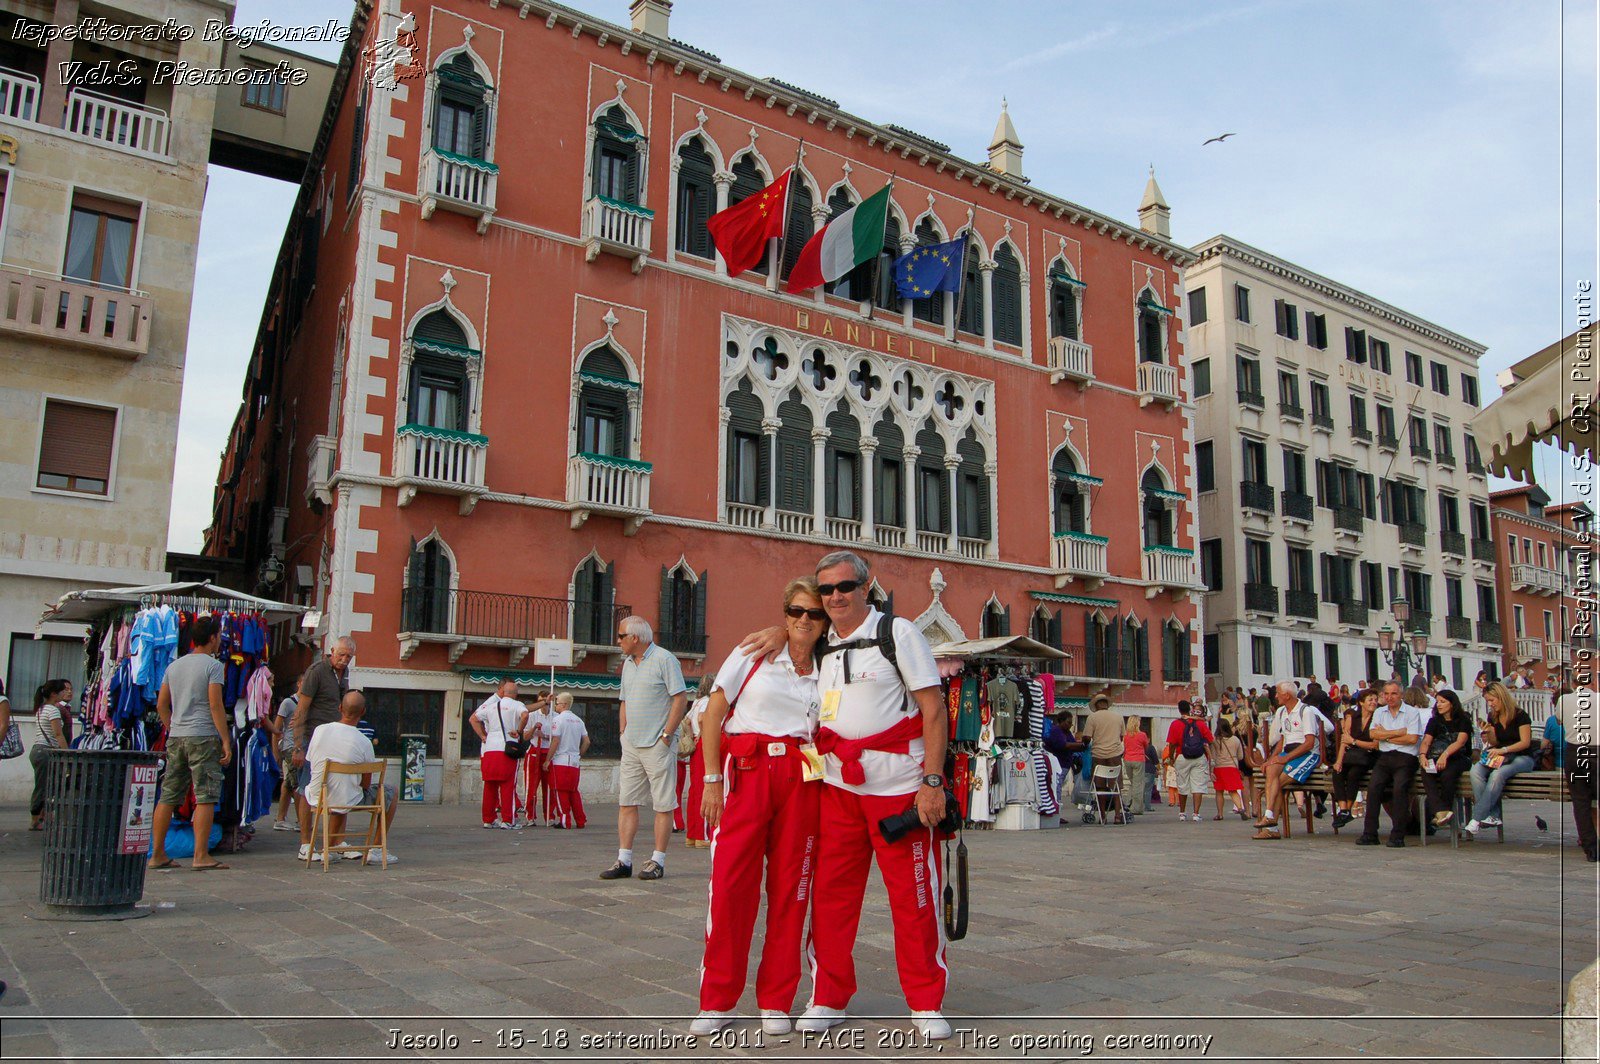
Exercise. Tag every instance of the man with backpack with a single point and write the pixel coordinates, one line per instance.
(1295, 754)
(1187, 742)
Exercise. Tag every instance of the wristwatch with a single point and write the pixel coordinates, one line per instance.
(933, 779)
(713, 778)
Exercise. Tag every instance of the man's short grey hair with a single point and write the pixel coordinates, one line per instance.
(1286, 685)
(638, 626)
(346, 641)
(846, 557)
(564, 699)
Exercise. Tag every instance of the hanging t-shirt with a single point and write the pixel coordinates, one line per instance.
(1003, 695)
(969, 720)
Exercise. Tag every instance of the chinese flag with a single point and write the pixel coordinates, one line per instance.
(741, 232)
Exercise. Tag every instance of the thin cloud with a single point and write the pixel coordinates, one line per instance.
(1056, 51)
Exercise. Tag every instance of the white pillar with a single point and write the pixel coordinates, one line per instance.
(986, 271)
(724, 182)
(953, 464)
(907, 242)
(869, 453)
(769, 429)
(992, 471)
(819, 480)
(1027, 321)
(911, 474)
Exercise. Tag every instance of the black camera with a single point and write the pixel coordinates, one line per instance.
(893, 828)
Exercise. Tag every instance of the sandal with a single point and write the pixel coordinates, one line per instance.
(1264, 834)
(1217, 817)
(153, 867)
(214, 867)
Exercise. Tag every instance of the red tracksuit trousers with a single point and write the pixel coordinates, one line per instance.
(499, 787)
(697, 791)
(848, 840)
(538, 782)
(769, 816)
(564, 793)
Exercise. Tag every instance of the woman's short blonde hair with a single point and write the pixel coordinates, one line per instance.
(807, 584)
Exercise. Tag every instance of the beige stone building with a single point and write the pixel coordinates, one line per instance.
(102, 190)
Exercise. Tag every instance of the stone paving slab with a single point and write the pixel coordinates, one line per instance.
(1306, 948)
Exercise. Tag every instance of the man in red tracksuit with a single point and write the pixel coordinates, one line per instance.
(883, 728)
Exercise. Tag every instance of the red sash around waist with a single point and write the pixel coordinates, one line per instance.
(894, 740)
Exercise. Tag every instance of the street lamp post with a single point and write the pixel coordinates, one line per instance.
(1399, 652)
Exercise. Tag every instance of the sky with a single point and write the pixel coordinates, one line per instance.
(1440, 156)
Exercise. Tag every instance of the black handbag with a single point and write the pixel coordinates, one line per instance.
(516, 749)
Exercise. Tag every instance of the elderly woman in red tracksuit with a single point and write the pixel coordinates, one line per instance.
(760, 807)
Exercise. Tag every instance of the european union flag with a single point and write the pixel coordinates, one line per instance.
(930, 268)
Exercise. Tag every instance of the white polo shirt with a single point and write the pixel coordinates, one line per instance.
(567, 733)
(539, 721)
(775, 701)
(876, 699)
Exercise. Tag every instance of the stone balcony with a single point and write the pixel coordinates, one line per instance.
(442, 461)
(605, 484)
(114, 321)
(459, 183)
(1071, 360)
(1158, 383)
(1537, 579)
(1170, 569)
(319, 469)
(617, 228)
(1080, 556)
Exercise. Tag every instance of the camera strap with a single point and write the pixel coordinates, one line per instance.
(955, 890)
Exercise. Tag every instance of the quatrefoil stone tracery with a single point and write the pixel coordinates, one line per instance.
(866, 382)
(950, 400)
(821, 372)
(771, 361)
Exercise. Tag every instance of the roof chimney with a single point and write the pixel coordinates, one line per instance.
(1154, 214)
(1005, 151)
(650, 17)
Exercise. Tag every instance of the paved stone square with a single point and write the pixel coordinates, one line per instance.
(1209, 944)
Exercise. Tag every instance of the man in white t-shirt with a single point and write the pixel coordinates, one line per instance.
(1295, 753)
(883, 729)
(537, 732)
(499, 718)
(341, 742)
(569, 741)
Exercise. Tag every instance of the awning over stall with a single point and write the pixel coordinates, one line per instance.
(1549, 397)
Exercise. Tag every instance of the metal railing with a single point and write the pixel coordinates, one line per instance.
(1262, 598)
(1300, 603)
(1322, 421)
(1446, 459)
(1080, 554)
(1453, 543)
(1288, 411)
(1070, 360)
(1413, 534)
(1256, 496)
(1458, 629)
(1361, 432)
(681, 641)
(1388, 441)
(506, 618)
(1354, 614)
(1349, 519)
(1251, 398)
(1420, 449)
(1483, 550)
(1159, 381)
(1421, 621)
(1489, 631)
(1475, 466)
(115, 320)
(1299, 505)
(117, 123)
(1099, 663)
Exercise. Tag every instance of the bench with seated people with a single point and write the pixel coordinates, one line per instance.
(1545, 786)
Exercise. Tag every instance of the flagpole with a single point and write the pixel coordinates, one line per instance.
(961, 281)
(877, 260)
(783, 234)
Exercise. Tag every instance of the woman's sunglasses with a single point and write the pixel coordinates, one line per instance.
(844, 587)
(798, 612)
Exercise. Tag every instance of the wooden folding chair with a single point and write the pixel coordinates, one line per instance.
(377, 830)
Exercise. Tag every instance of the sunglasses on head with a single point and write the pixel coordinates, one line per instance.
(843, 587)
(798, 612)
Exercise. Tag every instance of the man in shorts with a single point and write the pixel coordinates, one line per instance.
(1190, 760)
(654, 700)
(198, 743)
(1296, 752)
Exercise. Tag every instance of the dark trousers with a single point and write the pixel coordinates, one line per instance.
(1578, 762)
(1347, 781)
(1441, 786)
(1391, 776)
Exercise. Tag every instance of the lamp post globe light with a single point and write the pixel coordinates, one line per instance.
(1398, 653)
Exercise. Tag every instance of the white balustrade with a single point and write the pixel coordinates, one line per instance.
(1159, 381)
(608, 485)
(890, 536)
(454, 464)
(462, 182)
(19, 95)
(117, 122)
(843, 528)
(53, 308)
(1168, 566)
(616, 226)
(319, 468)
(1070, 359)
(1529, 649)
(792, 523)
(741, 515)
(972, 548)
(1081, 554)
(933, 542)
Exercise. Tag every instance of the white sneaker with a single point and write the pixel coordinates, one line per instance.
(775, 1022)
(351, 855)
(932, 1025)
(489, 824)
(710, 1022)
(1491, 822)
(502, 825)
(1473, 827)
(305, 852)
(377, 857)
(820, 1018)
(284, 825)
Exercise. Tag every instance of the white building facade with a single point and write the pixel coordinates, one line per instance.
(1334, 476)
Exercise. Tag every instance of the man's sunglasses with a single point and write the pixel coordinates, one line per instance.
(798, 612)
(843, 587)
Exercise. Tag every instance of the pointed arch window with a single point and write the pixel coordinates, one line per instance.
(697, 200)
(461, 109)
(801, 225)
(1065, 306)
(844, 465)
(1046, 628)
(1152, 329)
(928, 310)
(996, 621)
(682, 620)
(1156, 511)
(1175, 659)
(427, 595)
(794, 456)
(749, 462)
(1100, 644)
(747, 182)
(889, 476)
(1007, 285)
(616, 156)
(593, 603)
(603, 415)
(438, 392)
(973, 480)
(933, 484)
(1071, 501)
(971, 318)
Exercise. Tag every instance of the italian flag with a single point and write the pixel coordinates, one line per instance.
(856, 236)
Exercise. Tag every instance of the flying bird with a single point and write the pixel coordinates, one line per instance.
(1216, 140)
(1539, 820)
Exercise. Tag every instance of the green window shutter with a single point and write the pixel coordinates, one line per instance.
(698, 626)
(764, 472)
(1005, 621)
(583, 613)
(665, 620)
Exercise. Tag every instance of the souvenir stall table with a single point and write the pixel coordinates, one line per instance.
(999, 696)
(136, 633)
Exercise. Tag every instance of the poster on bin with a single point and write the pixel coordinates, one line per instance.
(138, 807)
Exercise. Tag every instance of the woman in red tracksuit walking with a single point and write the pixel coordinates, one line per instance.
(760, 807)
